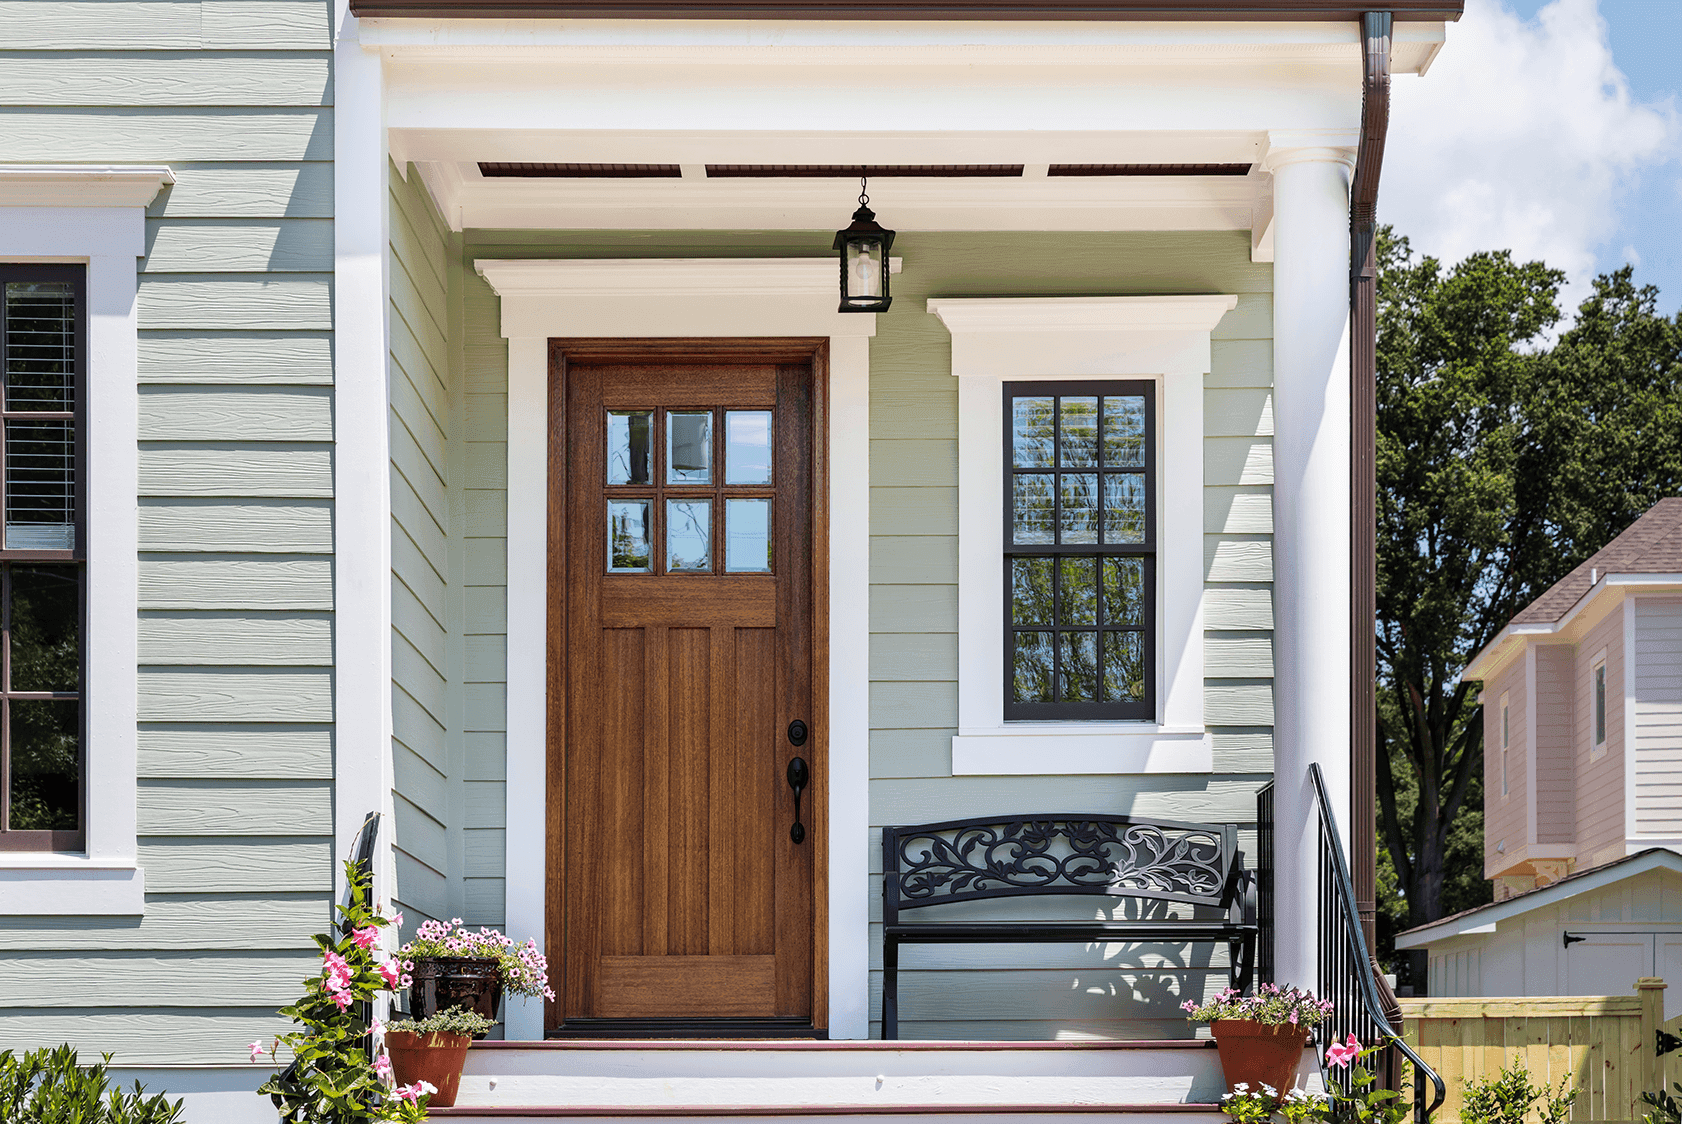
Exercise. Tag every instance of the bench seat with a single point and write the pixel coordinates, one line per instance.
(1153, 862)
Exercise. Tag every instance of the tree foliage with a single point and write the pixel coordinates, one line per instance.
(1503, 462)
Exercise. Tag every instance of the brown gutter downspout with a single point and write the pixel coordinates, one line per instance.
(1363, 406)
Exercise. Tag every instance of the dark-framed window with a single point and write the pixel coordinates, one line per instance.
(1080, 550)
(43, 569)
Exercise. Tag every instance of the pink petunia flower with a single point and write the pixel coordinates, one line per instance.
(256, 1050)
(392, 973)
(382, 1067)
(342, 999)
(365, 938)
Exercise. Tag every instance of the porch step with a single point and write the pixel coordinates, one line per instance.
(1018, 1082)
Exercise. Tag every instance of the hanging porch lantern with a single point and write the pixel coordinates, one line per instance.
(863, 249)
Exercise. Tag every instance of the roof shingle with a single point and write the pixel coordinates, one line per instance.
(1650, 545)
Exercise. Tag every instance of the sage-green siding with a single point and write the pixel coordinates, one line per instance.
(1018, 992)
(420, 518)
(236, 513)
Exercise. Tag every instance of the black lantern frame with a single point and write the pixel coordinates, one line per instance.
(863, 251)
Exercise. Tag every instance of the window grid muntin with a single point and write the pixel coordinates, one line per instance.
(47, 840)
(659, 490)
(1056, 550)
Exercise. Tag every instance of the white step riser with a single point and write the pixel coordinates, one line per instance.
(867, 1079)
(1195, 1061)
(860, 1091)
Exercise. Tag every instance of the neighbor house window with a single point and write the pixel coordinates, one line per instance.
(42, 348)
(1080, 550)
(1506, 737)
(1599, 680)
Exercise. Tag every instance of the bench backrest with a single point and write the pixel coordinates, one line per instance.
(1115, 856)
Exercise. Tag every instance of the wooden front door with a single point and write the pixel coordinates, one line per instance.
(682, 687)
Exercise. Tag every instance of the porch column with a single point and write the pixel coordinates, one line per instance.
(1311, 523)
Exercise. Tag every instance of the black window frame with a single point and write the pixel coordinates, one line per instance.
(1145, 709)
(41, 841)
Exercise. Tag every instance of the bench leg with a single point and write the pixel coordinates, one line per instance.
(1243, 957)
(890, 989)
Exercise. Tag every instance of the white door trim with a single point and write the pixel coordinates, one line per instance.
(690, 297)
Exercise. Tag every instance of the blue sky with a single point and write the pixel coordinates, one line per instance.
(1553, 128)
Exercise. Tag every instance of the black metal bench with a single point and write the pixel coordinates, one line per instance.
(1034, 856)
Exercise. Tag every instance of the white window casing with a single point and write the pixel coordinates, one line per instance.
(998, 340)
(1506, 737)
(690, 297)
(1598, 704)
(95, 216)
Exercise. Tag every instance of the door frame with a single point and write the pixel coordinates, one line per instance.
(812, 351)
(542, 299)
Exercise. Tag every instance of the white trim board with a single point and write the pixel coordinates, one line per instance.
(97, 216)
(1162, 338)
(690, 297)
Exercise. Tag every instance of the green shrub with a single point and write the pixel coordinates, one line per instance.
(1666, 1108)
(1508, 1097)
(46, 1086)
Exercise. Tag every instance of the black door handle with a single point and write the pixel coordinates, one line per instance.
(798, 776)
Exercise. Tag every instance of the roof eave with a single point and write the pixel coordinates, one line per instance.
(1484, 919)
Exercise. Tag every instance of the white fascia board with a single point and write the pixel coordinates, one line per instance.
(1478, 920)
(1647, 582)
(733, 42)
(81, 185)
(399, 36)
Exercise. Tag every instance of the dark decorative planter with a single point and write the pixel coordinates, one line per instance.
(471, 982)
(1255, 1055)
(435, 1058)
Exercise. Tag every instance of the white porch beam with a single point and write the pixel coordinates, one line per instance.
(1311, 504)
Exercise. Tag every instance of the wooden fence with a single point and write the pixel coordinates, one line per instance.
(1607, 1045)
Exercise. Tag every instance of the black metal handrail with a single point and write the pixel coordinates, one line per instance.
(1362, 1006)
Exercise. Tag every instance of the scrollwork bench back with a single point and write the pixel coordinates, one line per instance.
(1117, 857)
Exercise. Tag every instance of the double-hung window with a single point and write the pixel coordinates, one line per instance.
(1080, 550)
(43, 344)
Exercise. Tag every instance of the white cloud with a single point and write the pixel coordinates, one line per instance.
(1523, 136)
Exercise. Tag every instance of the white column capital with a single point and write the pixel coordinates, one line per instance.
(1301, 146)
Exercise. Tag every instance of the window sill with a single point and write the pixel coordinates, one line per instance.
(1083, 748)
(56, 885)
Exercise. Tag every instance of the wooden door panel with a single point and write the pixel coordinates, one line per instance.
(684, 896)
(695, 987)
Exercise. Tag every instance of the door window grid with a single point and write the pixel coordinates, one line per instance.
(1080, 550)
(674, 526)
(42, 575)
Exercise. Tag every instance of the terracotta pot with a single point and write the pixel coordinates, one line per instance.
(435, 1058)
(1255, 1055)
(442, 982)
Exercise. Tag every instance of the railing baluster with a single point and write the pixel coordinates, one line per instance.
(1347, 974)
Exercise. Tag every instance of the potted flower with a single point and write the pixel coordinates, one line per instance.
(431, 1051)
(1261, 1037)
(453, 967)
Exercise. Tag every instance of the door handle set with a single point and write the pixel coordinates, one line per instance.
(799, 776)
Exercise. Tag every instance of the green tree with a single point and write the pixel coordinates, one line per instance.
(1502, 464)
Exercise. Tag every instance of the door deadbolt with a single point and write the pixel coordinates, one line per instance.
(797, 733)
